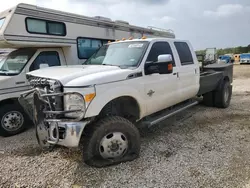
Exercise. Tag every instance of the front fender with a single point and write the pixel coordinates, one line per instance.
(8, 96)
(108, 92)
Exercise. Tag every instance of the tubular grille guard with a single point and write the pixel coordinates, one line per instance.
(28, 105)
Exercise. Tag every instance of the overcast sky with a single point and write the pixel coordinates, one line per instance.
(206, 23)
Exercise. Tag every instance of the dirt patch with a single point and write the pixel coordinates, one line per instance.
(241, 71)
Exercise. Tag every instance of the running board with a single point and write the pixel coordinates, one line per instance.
(153, 120)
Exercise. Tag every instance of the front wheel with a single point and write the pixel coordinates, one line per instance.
(111, 141)
(13, 120)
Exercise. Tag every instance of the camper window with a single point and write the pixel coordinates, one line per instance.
(87, 47)
(1, 22)
(56, 28)
(38, 26)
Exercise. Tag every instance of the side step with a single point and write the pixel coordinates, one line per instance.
(155, 119)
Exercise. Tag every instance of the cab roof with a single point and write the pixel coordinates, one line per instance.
(149, 40)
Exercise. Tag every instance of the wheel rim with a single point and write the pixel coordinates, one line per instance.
(226, 94)
(113, 145)
(12, 121)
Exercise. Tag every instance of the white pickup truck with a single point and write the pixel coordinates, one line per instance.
(98, 105)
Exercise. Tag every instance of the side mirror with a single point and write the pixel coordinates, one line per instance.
(43, 65)
(165, 58)
(164, 65)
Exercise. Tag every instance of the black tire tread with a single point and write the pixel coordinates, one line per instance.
(8, 107)
(102, 124)
(219, 96)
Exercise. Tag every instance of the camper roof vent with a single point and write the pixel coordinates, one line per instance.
(121, 22)
(103, 18)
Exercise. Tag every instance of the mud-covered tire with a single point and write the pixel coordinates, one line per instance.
(222, 97)
(107, 129)
(13, 120)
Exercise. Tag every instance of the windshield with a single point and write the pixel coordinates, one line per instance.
(15, 61)
(245, 56)
(1, 22)
(124, 54)
(224, 57)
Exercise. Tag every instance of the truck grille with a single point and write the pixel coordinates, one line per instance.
(49, 86)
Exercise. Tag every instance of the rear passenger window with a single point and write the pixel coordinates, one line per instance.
(50, 58)
(184, 53)
(159, 48)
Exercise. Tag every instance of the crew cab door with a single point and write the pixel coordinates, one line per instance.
(160, 90)
(188, 70)
(46, 57)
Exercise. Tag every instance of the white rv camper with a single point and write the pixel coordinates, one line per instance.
(44, 37)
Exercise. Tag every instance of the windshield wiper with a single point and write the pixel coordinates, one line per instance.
(4, 73)
(110, 65)
(4, 70)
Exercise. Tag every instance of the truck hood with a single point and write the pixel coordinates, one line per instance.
(9, 84)
(82, 75)
(4, 78)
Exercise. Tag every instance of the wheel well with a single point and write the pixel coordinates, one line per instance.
(9, 101)
(125, 106)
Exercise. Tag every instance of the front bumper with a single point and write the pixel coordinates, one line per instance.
(245, 61)
(50, 127)
(66, 134)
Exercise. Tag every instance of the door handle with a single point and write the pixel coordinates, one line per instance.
(21, 82)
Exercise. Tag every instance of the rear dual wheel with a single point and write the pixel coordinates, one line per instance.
(220, 98)
(111, 141)
(223, 96)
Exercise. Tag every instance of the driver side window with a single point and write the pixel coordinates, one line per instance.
(50, 58)
(159, 48)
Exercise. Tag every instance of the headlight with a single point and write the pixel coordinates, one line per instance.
(74, 102)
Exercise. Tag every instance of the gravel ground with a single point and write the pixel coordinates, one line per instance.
(202, 147)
